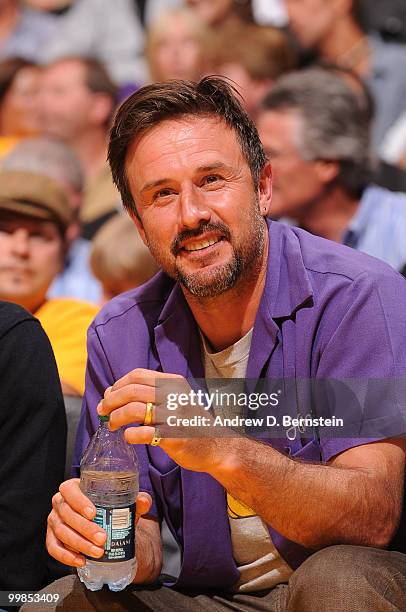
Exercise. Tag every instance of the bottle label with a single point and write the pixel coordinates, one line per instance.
(119, 524)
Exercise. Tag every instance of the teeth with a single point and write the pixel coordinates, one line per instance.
(196, 246)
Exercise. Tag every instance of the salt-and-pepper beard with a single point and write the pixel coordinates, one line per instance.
(221, 278)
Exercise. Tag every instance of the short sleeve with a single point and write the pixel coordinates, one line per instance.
(362, 365)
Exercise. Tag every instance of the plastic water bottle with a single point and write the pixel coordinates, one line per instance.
(109, 478)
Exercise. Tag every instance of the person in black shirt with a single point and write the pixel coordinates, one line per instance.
(32, 447)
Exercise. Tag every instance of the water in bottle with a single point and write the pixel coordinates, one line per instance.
(109, 478)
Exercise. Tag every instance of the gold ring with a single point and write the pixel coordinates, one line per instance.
(149, 413)
(156, 439)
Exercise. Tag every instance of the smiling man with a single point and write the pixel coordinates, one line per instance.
(240, 297)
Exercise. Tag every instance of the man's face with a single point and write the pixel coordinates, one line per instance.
(311, 20)
(296, 181)
(199, 212)
(31, 256)
(19, 108)
(65, 100)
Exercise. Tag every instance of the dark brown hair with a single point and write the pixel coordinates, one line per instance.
(152, 104)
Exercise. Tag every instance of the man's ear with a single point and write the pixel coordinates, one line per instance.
(138, 224)
(265, 189)
(327, 171)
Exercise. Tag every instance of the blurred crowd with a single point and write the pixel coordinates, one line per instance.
(324, 80)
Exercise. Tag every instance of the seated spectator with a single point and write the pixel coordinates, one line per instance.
(332, 29)
(32, 447)
(52, 158)
(300, 521)
(77, 100)
(254, 65)
(19, 82)
(176, 44)
(119, 258)
(109, 31)
(34, 217)
(316, 133)
(24, 32)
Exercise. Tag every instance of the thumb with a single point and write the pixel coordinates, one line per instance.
(143, 505)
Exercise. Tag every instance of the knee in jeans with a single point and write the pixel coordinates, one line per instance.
(357, 576)
(334, 564)
(338, 569)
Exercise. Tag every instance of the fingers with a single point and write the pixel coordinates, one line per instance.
(143, 505)
(141, 376)
(70, 530)
(139, 435)
(88, 529)
(130, 413)
(135, 413)
(71, 540)
(131, 393)
(66, 544)
(73, 496)
(57, 550)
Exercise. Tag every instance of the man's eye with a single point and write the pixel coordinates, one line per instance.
(211, 178)
(42, 236)
(162, 193)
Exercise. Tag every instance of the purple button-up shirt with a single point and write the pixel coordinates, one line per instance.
(327, 312)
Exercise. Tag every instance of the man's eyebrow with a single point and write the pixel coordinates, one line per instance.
(164, 181)
(153, 184)
(214, 166)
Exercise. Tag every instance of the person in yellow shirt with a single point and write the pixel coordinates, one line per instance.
(34, 216)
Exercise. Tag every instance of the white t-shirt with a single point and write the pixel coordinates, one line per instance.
(258, 561)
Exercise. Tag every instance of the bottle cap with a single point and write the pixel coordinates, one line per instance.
(104, 417)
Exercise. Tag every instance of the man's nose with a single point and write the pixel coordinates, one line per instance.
(20, 242)
(193, 207)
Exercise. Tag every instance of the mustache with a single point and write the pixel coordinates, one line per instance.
(204, 226)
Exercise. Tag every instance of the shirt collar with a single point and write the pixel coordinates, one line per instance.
(359, 222)
(287, 284)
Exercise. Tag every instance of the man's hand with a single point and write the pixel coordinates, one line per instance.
(356, 499)
(71, 531)
(126, 403)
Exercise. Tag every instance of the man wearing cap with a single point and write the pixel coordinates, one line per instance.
(34, 216)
